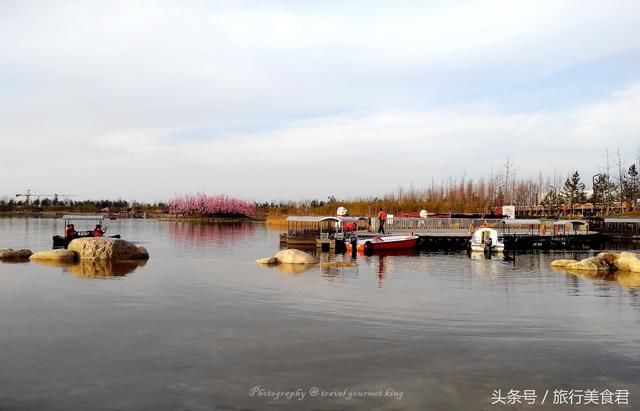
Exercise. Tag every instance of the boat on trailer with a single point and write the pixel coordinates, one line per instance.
(486, 239)
(384, 243)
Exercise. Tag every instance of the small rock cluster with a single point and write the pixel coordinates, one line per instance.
(81, 249)
(11, 254)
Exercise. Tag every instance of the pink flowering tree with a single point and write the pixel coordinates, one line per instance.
(210, 206)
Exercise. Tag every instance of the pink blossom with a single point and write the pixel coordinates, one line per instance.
(206, 205)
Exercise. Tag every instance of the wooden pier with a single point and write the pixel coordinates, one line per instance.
(451, 241)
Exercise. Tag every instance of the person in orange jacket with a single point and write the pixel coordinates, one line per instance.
(382, 219)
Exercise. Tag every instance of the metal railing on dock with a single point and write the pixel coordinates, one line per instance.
(434, 224)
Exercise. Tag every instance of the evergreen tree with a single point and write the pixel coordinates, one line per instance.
(550, 201)
(604, 190)
(573, 190)
(631, 185)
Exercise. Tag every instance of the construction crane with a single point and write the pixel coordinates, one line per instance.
(28, 194)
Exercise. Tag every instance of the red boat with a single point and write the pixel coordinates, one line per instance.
(378, 243)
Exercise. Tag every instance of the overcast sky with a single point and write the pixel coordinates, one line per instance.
(299, 99)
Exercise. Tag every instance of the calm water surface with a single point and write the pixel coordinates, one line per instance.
(200, 325)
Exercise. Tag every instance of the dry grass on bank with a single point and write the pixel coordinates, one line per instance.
(277, 220)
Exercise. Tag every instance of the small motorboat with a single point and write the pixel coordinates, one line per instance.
(63, 242)
(89, 220)
(379, 243)
(486, 239)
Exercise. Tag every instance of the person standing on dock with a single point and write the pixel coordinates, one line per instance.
(382, 219)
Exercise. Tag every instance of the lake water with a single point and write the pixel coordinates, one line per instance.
(201, 326)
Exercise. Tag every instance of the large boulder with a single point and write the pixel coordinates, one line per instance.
(55, 255)
(628, 262)
(267, 261)
(610, 258)
(291, 256)
(104, 248)
(563, 263)
(11, 254)
(294, 256)
(591, 264)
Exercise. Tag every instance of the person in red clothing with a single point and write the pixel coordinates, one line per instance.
(70, 231)
(98, 231)
(382, 219)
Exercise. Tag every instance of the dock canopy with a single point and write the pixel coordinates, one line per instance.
(565, 222)
(83, 217)
(311, 219)
(622, 225)
(309, 226)
(562, 225)
(519, 224)
(622, 220)
(319, 219)
(515, 221)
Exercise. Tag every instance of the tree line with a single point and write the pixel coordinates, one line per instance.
(453, 195)
(482, 195)
(86, 206)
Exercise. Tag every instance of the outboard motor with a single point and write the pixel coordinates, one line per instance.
(354, 246)
(488, 242)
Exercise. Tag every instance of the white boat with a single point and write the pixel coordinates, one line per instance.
(485, 238)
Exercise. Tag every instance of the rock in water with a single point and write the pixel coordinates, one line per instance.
(293, 256)
(563, 263)
(11, 254)
(103, 248)
(610, 258)
(55, 255)
(591, 264)
(268, 260)
(628, 262)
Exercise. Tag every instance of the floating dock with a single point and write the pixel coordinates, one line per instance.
(527, 242)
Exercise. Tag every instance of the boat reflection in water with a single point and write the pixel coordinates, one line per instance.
(96, 269)
(383, 261)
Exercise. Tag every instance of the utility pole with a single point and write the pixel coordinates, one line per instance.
(620, 179)
(606, 189)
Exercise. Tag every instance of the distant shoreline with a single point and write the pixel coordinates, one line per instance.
(149, 216)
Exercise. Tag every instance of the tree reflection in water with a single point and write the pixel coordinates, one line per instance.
(203, 235)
